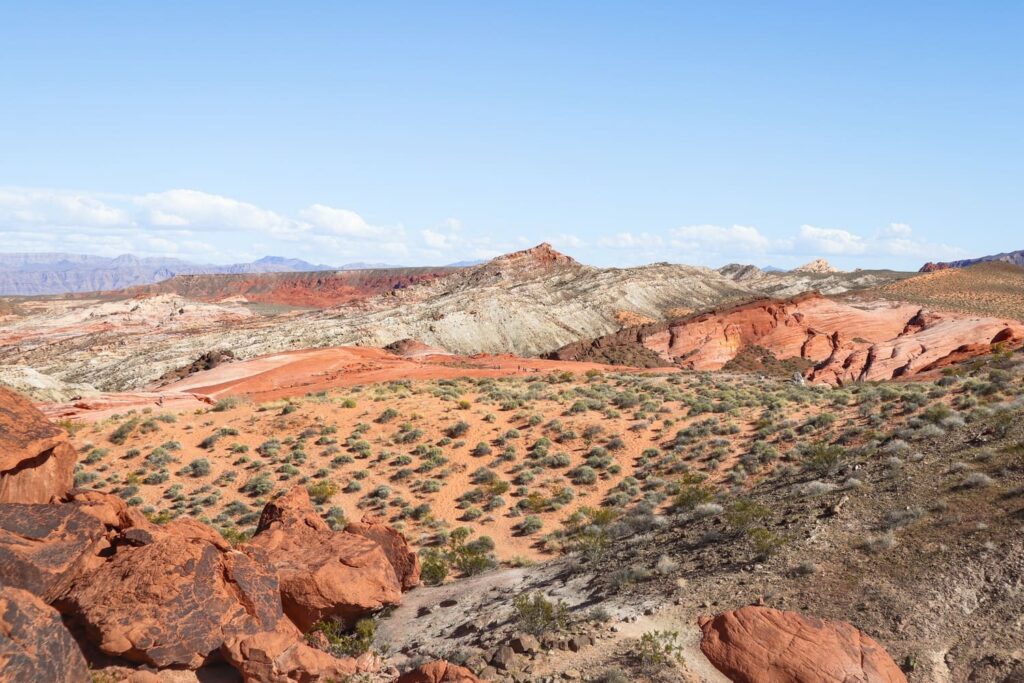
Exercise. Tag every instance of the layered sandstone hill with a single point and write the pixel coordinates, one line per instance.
(872, 341)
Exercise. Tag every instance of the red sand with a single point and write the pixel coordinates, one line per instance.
(295, 373)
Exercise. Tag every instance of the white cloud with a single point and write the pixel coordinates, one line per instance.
(566, 241)
(629, 240)
(346, 223)
(716, 239)
(179, 208)
(40, 207)
(832, 241)
(439, 240)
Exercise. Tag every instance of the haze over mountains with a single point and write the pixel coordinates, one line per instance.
(30, 274)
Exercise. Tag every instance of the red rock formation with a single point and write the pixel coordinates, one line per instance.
(404, 559)
(36, 461)
(176, 602)
(280, 657)
(323, 573)
(318, 289)
(43, 548)
(763, 645)
(871, 341)
(439, 671)
(34, 644)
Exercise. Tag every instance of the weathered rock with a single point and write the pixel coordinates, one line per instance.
(323, 573)
(524, 644)
(763, 645)
(439, 671)
(504, 658)
(403, 558)
(282, 657)
(873, 341)
(43, 547)
(36, 460)
(34, 644)
(112, 511)
(175, 601)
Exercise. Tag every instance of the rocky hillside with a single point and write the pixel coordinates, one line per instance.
(842, 342)
(527, 303)
(1013, 257)
(982, 289)
(816, 278)
(320, 289)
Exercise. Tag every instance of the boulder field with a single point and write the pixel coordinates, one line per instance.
(845, 342)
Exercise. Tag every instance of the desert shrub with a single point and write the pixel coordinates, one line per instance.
(260, 485)
(537, 615)
(121, 434)
(765, 542)
(197, 468)
(531, 524)
(583, 474)
(433, 566)
(659, 649)
(823, 458)
(693, 491)
(322, 491)
(744, 514)
(346, 644)
(225, 404)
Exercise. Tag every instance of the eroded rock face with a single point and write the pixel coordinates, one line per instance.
(439, 672)
(36, 460)
(323, 573)
(44, 547)
(402, 557)
(34, 644)
(176, 601)
(865, 342)
(763, 645)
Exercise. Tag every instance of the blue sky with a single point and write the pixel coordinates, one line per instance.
(872, 134)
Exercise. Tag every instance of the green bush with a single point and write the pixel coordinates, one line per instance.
(537, 615)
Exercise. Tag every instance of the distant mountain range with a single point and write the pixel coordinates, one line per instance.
(29, 274)
(34, 274)
(1014, 257)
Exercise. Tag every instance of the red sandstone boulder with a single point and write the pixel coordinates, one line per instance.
(176, 601)
(109, 509)
(439, 671)
(403, 558)
(763, 645)
(34, 644)
(43, 548)
(323, 573)
(36, 460)
(282, 656)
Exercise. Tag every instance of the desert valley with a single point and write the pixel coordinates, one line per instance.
(511, 342)
(527, 469)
